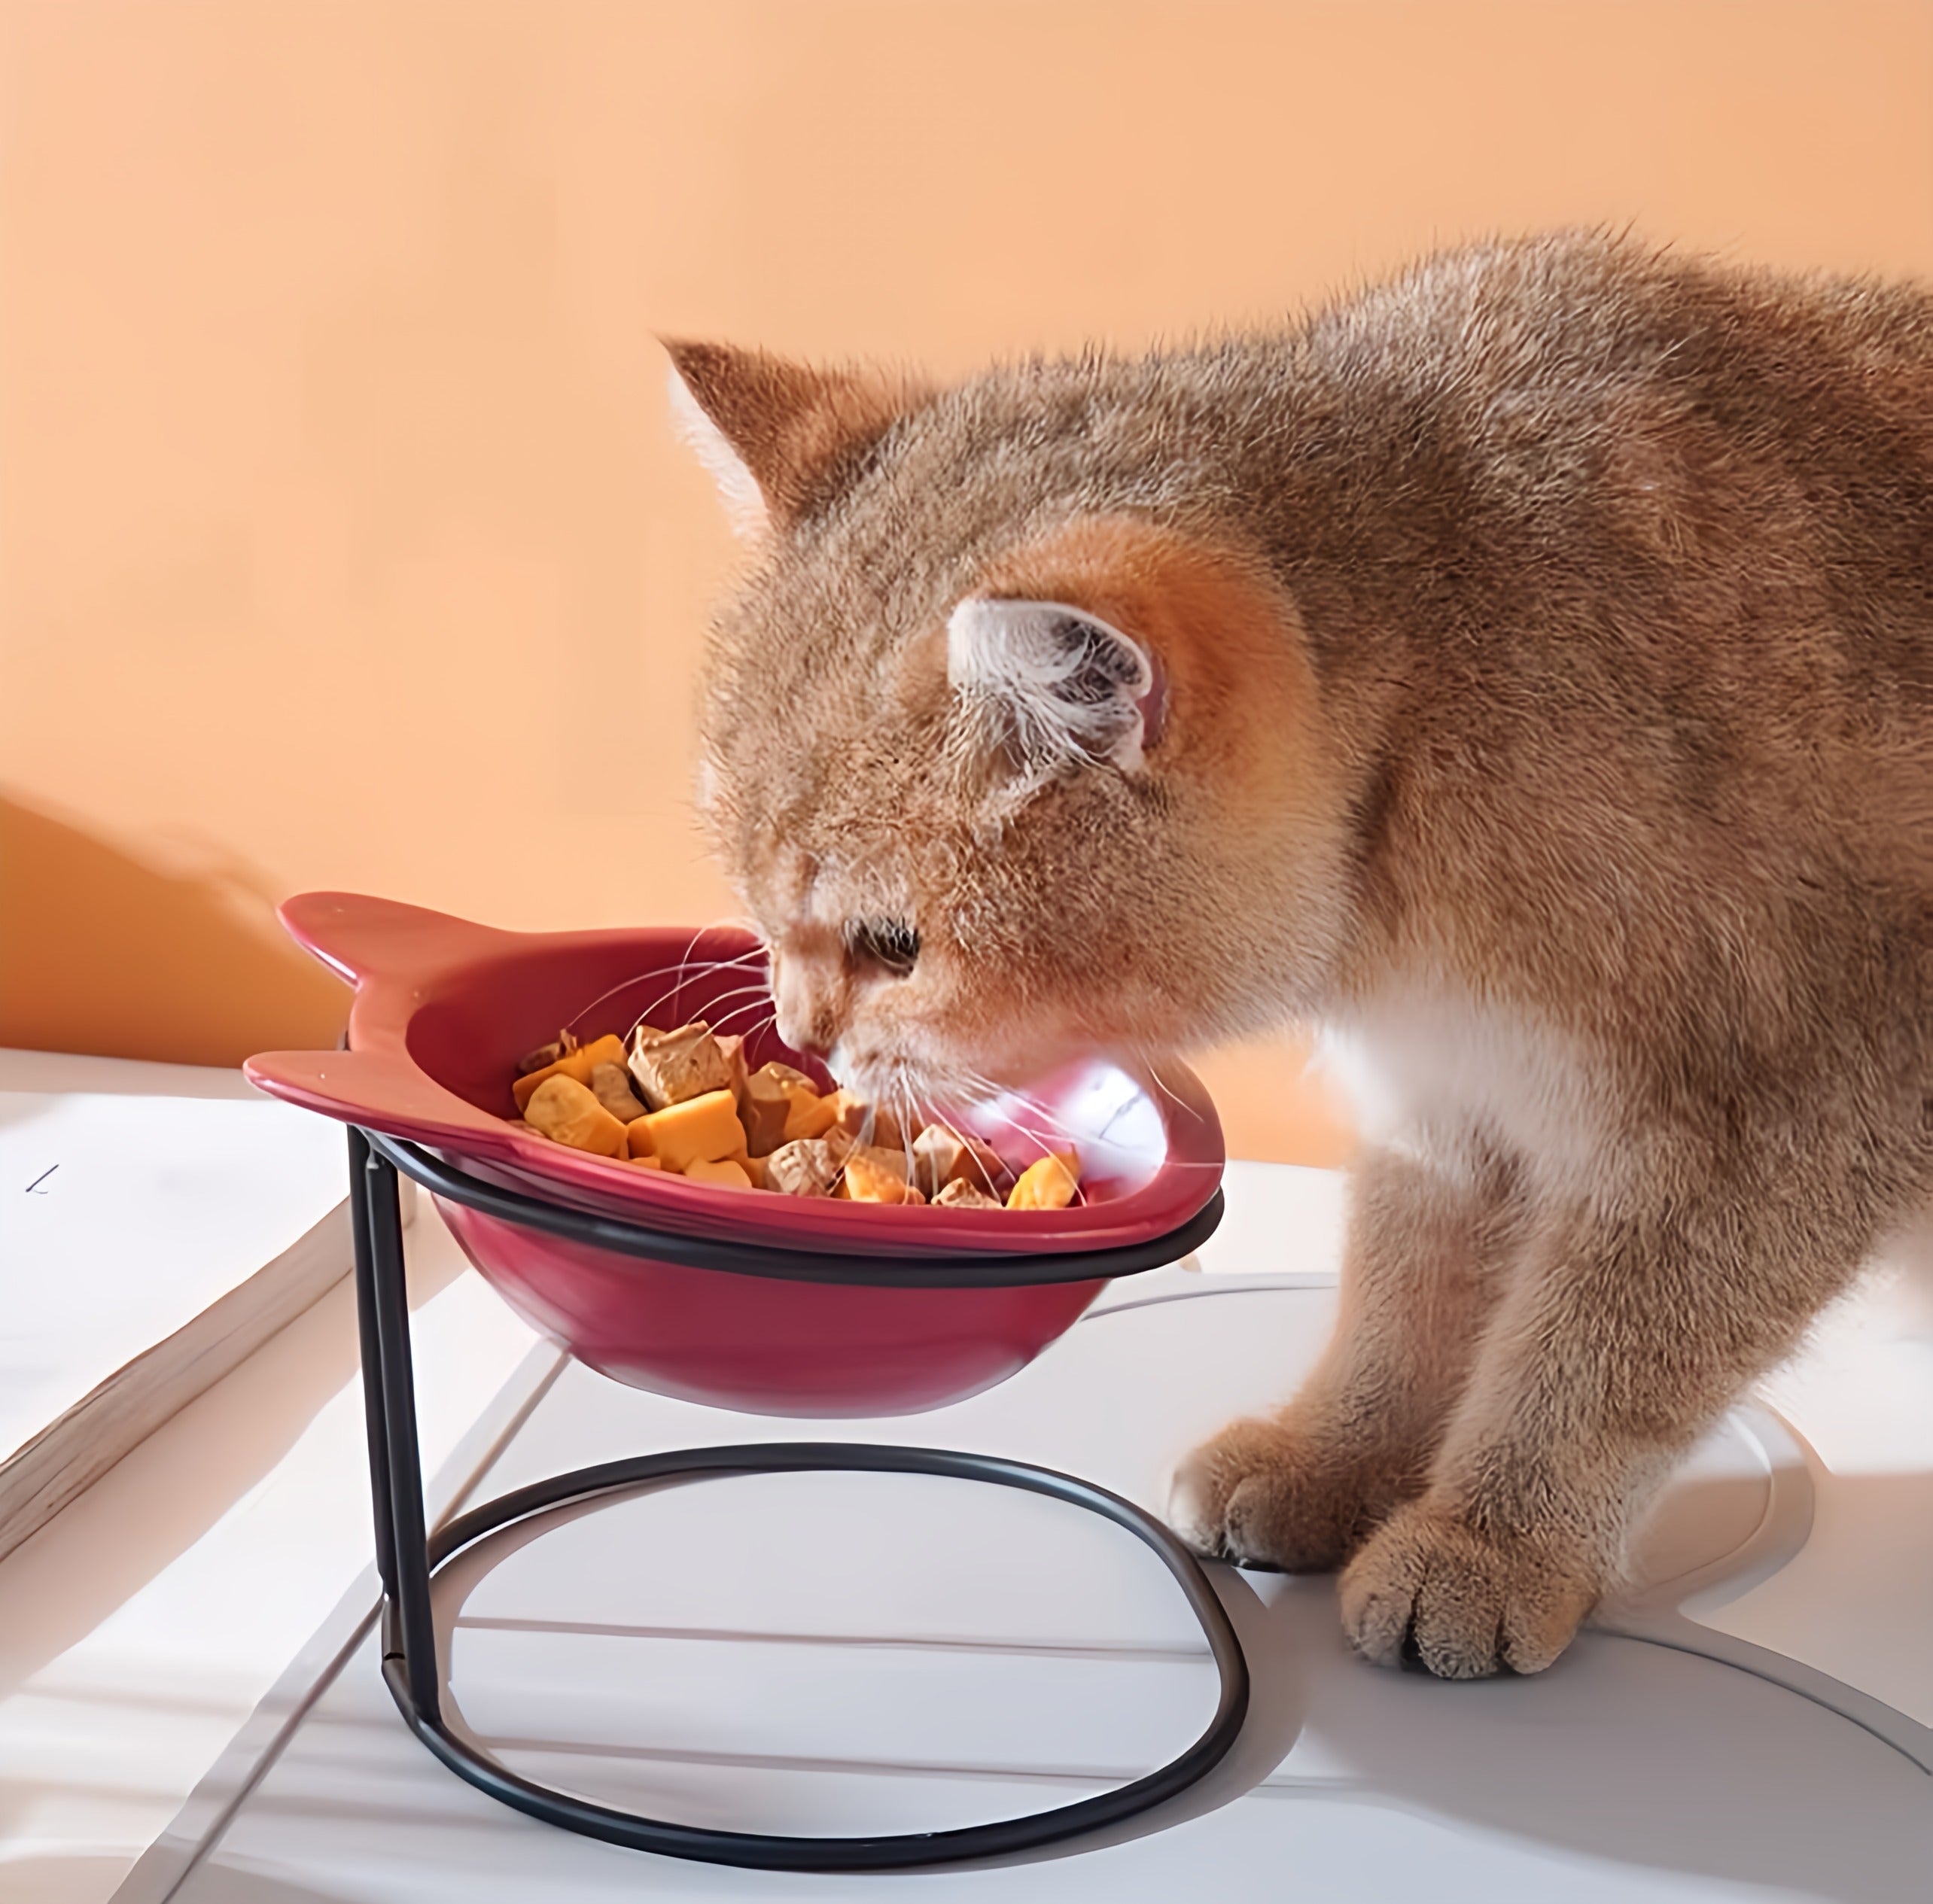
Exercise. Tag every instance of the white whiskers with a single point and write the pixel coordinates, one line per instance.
(688, 973)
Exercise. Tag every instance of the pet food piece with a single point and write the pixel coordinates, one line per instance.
(866, 1123)
(765, 1105)
(870, 1178)
(957, 1193)
(810, 1116)
(808, 1168)
(545, 1056)
(753, 1167)
(726, 1170)
(611, 1084)
(733, 1046)
(672, 1067)
(577, 1066)
(787, 1076)
(889, 1157)
(569, 1112)
(702, 1130)
(942, 1155)
(646, 1162)
(1047, 1184)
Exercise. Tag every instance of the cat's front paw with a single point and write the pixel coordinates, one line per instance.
(1468, 1603)
(1262, 1494)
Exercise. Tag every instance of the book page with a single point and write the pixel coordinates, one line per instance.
(125, 1214)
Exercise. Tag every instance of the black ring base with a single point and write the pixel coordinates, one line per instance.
(407, 1560)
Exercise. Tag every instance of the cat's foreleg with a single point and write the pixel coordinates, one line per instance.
(1303, 1488)
(1627, 1332)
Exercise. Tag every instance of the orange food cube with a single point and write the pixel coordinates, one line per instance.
(646, 1162)
(1046, 1184)
(577, 1065)
(568, 1112)
(810, 1116)
(526, 1087)
(702, 1129)
(870, 1178)
(725, 1170)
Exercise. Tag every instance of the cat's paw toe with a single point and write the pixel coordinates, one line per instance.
(1197, 1494)
(1467, 1604)
(1254, 1495)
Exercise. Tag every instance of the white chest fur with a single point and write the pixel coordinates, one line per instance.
(1436, 1072)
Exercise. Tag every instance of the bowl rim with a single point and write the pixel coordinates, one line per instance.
(402, 958)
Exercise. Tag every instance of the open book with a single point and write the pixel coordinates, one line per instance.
(157, 1222)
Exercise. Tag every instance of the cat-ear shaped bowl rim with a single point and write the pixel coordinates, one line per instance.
(402, 960)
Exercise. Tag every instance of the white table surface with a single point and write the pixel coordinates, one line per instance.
(717, 1651)
(855, 1652)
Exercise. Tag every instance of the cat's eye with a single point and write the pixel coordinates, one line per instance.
(890, 943)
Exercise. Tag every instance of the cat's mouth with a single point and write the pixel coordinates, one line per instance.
(899, 1081)
(929, 1084)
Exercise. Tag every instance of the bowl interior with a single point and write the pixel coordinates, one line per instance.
(469, 1032)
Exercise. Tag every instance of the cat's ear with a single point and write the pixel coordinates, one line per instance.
(1062, 688)
(777, 435)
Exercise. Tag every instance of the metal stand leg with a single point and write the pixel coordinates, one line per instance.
(389, 1398)
(406, 1560)
(374, 1421)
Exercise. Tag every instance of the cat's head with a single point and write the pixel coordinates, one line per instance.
(1010, 750)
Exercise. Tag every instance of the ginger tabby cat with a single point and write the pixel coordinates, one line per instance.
(1522, 669)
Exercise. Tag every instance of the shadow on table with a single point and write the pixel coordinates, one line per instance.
(1631, 1754)
(149, 1509)
(1625, 1753)
(81, 1878)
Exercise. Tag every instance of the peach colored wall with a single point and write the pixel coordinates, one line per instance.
(344, 543)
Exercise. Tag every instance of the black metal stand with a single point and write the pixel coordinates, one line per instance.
(406, 1559)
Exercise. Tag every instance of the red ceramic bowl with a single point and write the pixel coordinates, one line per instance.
(443, 1009)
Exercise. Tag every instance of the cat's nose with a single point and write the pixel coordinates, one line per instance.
(805, 1031)
(807, 1014)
